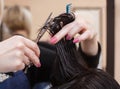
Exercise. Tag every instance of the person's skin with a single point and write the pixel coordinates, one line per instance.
(87, 35)
(16, 52)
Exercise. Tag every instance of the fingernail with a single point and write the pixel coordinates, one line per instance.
(53, 40)
(76, 40)
(38, 65)
(68, 37)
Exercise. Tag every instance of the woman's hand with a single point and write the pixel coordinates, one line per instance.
(82, 31)
(16, 52)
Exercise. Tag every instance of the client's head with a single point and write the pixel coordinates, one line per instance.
(94, 79)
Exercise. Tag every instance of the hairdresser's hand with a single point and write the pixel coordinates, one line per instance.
(16, 52)
(85, 34)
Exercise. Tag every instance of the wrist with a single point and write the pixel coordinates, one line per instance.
(90, 47)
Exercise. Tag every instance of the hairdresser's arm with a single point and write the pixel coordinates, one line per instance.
(16, 52)
(86, 35)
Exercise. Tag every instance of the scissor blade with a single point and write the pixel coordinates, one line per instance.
(43, 30)
(48, 19)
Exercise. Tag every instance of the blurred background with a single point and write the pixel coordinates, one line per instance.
(103, 14)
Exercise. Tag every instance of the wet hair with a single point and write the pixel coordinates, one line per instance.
(69, 71)
(92, 79)
(68, 62)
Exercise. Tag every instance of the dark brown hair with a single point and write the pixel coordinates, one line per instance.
(93, 79)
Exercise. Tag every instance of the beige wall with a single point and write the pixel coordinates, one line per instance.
(41, 8)
(117, 40)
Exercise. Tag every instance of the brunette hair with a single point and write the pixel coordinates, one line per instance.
(93, 79)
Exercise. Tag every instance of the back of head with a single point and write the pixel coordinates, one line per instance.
(95, 79)
(18, 18)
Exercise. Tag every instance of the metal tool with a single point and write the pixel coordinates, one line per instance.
(44, 28)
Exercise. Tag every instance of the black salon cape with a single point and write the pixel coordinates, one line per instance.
(47, 57)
